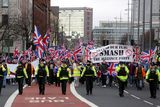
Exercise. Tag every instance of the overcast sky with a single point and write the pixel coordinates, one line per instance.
(102, 9)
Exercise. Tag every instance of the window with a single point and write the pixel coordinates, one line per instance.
(4, 3)
(4, 20)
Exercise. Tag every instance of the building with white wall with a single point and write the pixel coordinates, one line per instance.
(76, 22)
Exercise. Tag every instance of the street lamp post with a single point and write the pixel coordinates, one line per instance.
(69, 24)
(150, 24)
(138, 21)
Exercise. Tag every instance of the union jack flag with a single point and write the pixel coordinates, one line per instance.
(37, 38)
(38, 41)
(16, 52)
(112, 67)
(46, 39)
(136, 54)
(147, 55)
(76, 52)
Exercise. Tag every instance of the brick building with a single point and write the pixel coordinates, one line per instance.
(41, 12)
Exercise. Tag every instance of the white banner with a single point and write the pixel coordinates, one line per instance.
(112, 53)
(13, 67)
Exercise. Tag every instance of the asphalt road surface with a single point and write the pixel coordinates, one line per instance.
(109, 97)
(6, 92)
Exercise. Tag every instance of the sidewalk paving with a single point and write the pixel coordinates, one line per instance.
(52, 98)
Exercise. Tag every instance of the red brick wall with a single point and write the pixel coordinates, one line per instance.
(40, 15)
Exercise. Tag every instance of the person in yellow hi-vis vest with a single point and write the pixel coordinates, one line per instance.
(89, 73)
(122, 76)
(20, 73)
(2, 70)
(76, 73)
(41, 73)
(64, 73)
(153, 77)
(6, 73)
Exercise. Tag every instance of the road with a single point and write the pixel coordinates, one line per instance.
(109, 97)
(6, 92)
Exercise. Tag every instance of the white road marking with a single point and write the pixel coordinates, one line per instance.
(147, 102)
(135, 96)
(12, 97)
(74, 92)
(126, 92)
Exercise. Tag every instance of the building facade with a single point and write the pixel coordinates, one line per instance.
(54, 19)
(41, 12)
(112, 32)
(76, 22)
(15, 18)
(144, 18)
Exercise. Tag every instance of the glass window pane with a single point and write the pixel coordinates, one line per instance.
(5, 3)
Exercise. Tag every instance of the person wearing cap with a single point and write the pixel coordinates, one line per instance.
(41, 73)
(6, 73)
(64, 73)
(20, 74)
(122, 76)
(89, 73)
(152, 77)
(2, 70)
(30, 71)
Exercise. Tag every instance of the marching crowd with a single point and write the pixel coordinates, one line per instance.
(59, 73)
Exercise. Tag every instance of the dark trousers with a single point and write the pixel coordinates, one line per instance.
(57, 81)
(104, 78)
(121, 87)
(29, 79)
(41, 83)
(20, 85)
(1, 83)
(89, 84)
(110, 80)
(51, 78)
(139, 84)
(153, 89)
(64, 86)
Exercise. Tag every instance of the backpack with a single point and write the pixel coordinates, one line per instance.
(122, 72)
(42, 71)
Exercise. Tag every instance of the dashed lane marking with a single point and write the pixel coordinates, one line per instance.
(126, 92)
(135, 96)
(147, 102)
